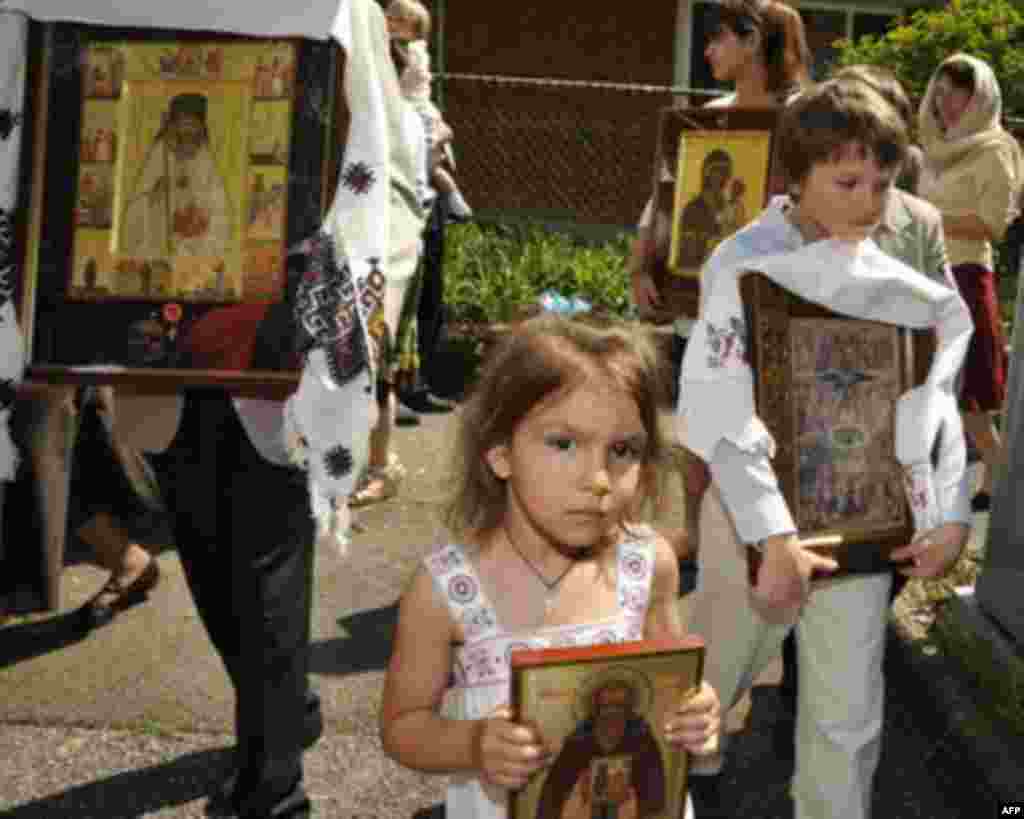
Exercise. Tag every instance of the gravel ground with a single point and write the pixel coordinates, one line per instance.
(52, 771)
(56, 771)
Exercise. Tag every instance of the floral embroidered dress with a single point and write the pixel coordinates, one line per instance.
(482, 672)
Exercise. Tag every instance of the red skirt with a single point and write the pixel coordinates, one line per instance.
(984, 374)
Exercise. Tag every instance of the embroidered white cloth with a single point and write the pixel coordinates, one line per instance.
(328, 419)
(858, 280)
(316, 19)
(13, 29)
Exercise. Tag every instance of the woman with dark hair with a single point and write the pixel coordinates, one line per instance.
(761, 48)
(973, 174)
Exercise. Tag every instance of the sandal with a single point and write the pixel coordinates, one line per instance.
(114, 597)
(380, 483)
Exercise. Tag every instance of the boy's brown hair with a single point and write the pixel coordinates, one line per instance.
(827, 117)
(885, 82)
(537, 359)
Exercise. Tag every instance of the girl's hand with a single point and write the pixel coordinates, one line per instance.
(784, 579)
(696, 722)
(507, 753)
(934, 553)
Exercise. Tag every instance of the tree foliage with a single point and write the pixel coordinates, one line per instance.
(991, 30)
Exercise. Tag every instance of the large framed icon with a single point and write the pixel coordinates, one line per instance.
(713, 172)
(168, 174)
(603, 707)
(826, 386)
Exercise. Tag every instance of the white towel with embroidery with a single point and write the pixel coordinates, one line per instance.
(13, 32)
(328, 420)
(858, 280)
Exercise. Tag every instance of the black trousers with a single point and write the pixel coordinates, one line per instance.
(245, 538)
(430, 310)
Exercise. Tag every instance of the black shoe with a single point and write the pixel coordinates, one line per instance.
(227, 803)
(293, 805)
(222, 800)
(424, 402)
(98, 612)
(981, 502)
(405, 417)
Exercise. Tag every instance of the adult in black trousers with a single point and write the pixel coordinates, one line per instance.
(430, 316)
(245, 536)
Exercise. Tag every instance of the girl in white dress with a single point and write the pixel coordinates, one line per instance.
(557, 448)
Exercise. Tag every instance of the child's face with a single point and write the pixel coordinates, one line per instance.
(573, 467)
(845, 198)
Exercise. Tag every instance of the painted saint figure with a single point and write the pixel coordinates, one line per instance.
(179, 205)
(715, 212)
(609, 767)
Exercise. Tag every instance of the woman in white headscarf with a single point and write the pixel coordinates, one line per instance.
(973, 173)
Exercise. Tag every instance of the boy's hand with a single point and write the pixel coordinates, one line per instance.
(508, 753)
(696, 722)
(934, 553)
(784, 579)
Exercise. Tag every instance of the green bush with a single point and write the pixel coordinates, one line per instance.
(495, 273)
(991, 30)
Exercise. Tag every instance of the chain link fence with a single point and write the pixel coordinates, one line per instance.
(559, 151)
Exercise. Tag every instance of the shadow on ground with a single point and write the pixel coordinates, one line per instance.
(131, 794)
(33, 639)
(367, 646)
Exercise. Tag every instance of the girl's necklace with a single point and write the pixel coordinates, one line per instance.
(550, 586)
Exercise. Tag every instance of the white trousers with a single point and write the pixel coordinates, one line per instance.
(840, 645)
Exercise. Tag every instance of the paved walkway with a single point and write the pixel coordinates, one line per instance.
(134, 719)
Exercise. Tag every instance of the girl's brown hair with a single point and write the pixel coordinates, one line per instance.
(535, 360)
(826, 117)
(783, 49)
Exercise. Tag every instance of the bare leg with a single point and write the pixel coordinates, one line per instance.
(380, 435)
(983, 432)
(383, 471)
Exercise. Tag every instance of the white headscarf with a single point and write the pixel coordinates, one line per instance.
(329, 418)
(979, 127)
(858, 280)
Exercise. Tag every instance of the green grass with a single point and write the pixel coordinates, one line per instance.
(496, 273)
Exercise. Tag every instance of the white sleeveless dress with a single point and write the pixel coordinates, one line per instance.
(482, 672)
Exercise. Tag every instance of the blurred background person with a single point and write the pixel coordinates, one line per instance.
(973, 174)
